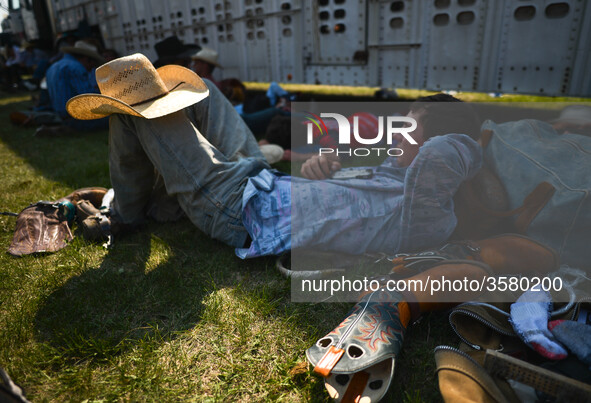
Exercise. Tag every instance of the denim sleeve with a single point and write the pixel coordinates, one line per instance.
(132, 173)
(431, 181)
(219, 122)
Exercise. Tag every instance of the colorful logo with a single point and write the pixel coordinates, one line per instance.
(318, 122)
(346, 132)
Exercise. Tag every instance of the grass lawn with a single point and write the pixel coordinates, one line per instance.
(167, 314)
(408, 94)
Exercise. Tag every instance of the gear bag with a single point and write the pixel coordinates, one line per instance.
(42, 227)
(527, 154)
(45, 226)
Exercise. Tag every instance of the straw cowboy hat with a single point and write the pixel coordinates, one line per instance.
(207, 55)
(85, 49)
(131, 85)
(575, 114)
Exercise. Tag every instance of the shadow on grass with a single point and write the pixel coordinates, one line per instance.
(151, 282)
(150, 289)
(154, 288)
(77, 160)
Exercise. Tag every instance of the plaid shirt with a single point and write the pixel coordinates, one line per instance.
(397, 210)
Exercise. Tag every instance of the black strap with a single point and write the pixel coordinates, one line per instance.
(158, 96)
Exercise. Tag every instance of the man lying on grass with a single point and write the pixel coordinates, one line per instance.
(169, 126)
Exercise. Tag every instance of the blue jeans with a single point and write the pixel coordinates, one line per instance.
(204, 154)
(258, 121)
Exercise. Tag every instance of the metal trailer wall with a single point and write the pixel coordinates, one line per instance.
(521, 46)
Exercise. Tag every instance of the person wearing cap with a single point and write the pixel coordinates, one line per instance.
(169, 126)
(71, 76)
(204, 62)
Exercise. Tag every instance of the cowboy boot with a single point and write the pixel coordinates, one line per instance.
(357, 358)
(93, 194)
(505, 254)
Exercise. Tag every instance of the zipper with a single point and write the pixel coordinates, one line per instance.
(456, 351)
(577, 309)
(353, 324)
(479, 319)
(493, 327)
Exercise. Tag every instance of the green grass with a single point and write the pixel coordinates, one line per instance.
(167, 315)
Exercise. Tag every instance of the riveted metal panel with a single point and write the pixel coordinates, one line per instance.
(257, 48)
(71, 18)
(580, 84)
(397, 22)
(337, 75)
(92, 12)
(335, 32)
(526, 46)
(454, 44)
(395, 43)
(286, 46)
(110, 26)
(139, 26)
(177, 19)
(126, 20)
(30, 24)
(538, 46)
(67, 4)
(228, 38)
(396, 68)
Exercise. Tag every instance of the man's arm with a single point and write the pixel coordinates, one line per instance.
(218, 121)
(431, 181)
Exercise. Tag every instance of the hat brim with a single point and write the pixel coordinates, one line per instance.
(185, 88)
(83, 52)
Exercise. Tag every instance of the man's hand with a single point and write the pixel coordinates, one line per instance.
(319, 167)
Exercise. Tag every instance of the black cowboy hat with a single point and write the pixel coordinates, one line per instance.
(171, 49)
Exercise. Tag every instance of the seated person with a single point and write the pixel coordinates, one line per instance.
(43, 103)
(10, 74)
(71, 76)
(36, 62)
(182, 127)
(205, 61)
